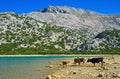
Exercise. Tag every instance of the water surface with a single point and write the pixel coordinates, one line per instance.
(26, 67)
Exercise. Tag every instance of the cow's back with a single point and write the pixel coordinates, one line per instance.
(76, 60)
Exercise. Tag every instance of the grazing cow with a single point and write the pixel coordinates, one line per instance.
(65, 63)
(96, 60)
(79, 60)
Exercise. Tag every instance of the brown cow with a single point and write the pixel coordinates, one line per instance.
(65, 63)
(79, 60)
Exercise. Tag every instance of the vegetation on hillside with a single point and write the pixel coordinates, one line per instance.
(20, 34)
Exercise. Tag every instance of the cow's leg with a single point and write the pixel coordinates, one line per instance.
(79, 63)
(74, 62)
(63, 66)
(66, 65)
(83, 62)
(94, 64)
(101, 64)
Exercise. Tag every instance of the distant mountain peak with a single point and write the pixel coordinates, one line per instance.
(66, 9)
(76, 18)
(57, 9)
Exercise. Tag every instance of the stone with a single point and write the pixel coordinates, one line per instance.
(118, 75)
(99, 69)
(115, 67)
(93, 74)
(74, 73)
(114, 75)
(50, 66)
(49, 77)
(105, 68)
(62, 75)
(100, 75)
(55, 76)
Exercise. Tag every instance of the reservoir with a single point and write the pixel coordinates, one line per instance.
(26, 67)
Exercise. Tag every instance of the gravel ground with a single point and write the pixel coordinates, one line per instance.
(110, 69)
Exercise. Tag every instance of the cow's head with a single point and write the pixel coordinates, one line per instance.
(89, 60)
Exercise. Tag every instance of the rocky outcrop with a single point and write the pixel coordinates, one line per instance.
(77, 18)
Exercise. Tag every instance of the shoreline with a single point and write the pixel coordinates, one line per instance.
(59, 55)
(87, 71)
(55, 69)
(32, 55)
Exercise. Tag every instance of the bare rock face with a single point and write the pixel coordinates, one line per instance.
(67, 10)
(74, 18)
(53, 9)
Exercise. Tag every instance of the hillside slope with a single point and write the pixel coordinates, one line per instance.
(25, 34)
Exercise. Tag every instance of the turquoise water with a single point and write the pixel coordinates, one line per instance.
(26, 67)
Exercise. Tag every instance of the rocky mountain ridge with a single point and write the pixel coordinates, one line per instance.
(76, 18)
(58, 30)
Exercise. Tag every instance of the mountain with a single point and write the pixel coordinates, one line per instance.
(77, 18)
(59, 30)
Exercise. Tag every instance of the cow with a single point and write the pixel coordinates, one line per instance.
(96, 60)
(79, 60)
(65, 63)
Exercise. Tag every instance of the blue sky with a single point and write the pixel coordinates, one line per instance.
(26, 6)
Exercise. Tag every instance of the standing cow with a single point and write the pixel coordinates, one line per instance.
(96, 60)
(65, 63)
(79, 60)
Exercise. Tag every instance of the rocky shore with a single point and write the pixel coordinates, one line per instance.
(110, 69)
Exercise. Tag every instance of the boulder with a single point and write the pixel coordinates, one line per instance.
(49, 77)
(100, 75)
(118, 75)
(50, 66)
(74, 72)
(56, 76)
